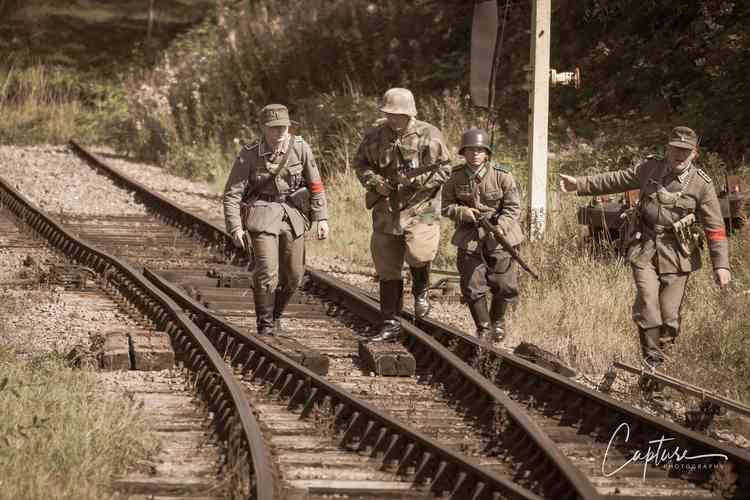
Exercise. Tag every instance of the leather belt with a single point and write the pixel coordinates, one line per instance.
(658, 229)
(274, 198)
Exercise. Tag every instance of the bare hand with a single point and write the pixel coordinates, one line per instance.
(383, 188)
(237, 235)
(323, 229)
(468, 214)
(723, 277)
(568, 184)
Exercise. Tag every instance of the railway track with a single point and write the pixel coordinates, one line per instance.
(243, 460)
(518, 431)
(493, 470)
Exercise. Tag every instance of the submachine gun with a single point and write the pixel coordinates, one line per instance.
(489, 223)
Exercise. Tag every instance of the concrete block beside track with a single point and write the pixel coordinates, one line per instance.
(387, 359)
(115, 353)
(152, 350)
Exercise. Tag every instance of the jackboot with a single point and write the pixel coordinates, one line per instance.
(497, 317)
(391, 299)
(420, 284)
(652, 354)
(283, 297)
(667, 337)
(481, 317)
(264, 303)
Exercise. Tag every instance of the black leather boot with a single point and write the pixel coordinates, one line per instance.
(481, 317)
(667, 337)
(391, 299)
(497, 317)
(652, 354)
(420, 284)
(264, 303)
(283, 297)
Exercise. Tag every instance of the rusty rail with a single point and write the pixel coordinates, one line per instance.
(551, 470)
(246, 457)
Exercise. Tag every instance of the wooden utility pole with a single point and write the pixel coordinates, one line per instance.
(538, 116)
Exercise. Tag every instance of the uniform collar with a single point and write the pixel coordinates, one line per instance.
(479, 173)
(266, 150)
(684, 175)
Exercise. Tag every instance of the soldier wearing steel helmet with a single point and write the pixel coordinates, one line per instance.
(476, 188)
(278, 179)
(676, 198)
(405, 211)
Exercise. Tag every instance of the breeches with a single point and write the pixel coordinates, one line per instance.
(418, 246)
(279, 259)
(658, 297)
(496, 272)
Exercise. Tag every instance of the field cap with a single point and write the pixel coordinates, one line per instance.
(274, 115)
(683, 137)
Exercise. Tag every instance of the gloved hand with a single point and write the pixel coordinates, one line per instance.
(467, 215)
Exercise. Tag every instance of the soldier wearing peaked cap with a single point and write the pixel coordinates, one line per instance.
(278, 180)
(675, 196)
(405, 210)
(477, 188)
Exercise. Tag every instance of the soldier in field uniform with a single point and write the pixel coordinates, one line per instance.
(675, 196)
(279, 181)
(477, 188)
(405, 211)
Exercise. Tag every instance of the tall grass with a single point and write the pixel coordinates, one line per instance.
(59, 436)
(38, 104)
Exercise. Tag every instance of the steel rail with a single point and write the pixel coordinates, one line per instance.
(562, 479)
(170, 212)
(547, 388)
(363, 427)
(246, 460)
(553, 470)
(687, 388)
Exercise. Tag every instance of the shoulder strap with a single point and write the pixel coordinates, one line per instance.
(281, 171)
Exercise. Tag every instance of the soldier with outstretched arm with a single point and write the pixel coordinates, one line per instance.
(278, 180)
(479, 188)
(675, 196)
(405, 209)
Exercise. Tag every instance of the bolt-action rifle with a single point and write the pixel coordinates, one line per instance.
(489, 223)
(409, 173)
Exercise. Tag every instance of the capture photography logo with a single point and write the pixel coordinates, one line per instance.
(662, 452)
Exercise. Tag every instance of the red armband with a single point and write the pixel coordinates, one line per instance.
(716, 234)
(316, 187)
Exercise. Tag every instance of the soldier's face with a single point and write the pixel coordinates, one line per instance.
(679, 158)
(475, 156)
(397, 123)
(274, 135)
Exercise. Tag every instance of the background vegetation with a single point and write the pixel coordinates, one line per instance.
(647, 65)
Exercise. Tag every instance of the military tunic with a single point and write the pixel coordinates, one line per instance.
(406, 223)
(482, 262)
(660, 268)
(275, 225)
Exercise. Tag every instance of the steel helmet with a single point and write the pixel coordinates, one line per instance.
(475, 138)
(397, 101)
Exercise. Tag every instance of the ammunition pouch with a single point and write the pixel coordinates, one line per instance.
(300, 199)
(688, 235)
